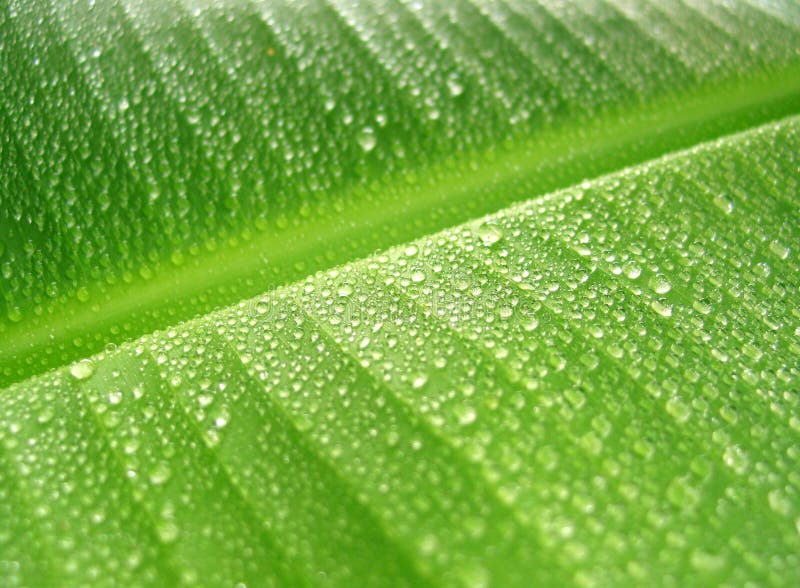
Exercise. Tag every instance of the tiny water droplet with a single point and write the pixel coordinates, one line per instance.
(678, 409)
(702, 305)
(723, 204)
(14, 314)
(82, 370)
(632, 270)
(662, 307)
(489, 234)
(735, 458)
(779, 249)
(160, 474)
(167, 531)
(367, 139)
(466, 415)
(45, 415)
(659, 284)
(455, 87)
(707, 562)
(419, 381)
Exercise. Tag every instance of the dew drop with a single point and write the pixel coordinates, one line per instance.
(702, 305)
(662, 307)
(14, 314)
(632, 270)
(678, 409)
(367, 139)
(82, 370)
(167, 531)
(489, 233)
(419, 381)
(455, 87)
(707, 562)
(659, 284)
(723, 204)
(45, 415)
(779, 249)
(466, 415)
(160, 473)
(735, 458)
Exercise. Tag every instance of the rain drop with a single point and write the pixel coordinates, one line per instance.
(367, 139)
(82, 370)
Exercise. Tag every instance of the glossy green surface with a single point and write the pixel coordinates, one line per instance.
(596, 385)
(162, 159)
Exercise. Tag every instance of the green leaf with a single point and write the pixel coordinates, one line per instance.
(596, 385)
(175, 159)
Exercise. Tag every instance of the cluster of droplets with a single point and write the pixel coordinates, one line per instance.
(599, 384)
(168, 135)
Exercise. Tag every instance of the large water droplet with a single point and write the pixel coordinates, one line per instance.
(659, 284)
(489, 233)
(82, 370)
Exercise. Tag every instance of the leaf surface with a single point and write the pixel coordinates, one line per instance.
(596, 384)
(175, 158)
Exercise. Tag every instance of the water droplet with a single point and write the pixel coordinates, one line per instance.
(707, 562)
(723, 204)
(659, 284)
(14, 314)
(160, 473)
(419, 381)
(632, 270)
(682, 494)
(662, 307)
(367, 139)
(167, 531)
(779, 249)
(779, 503)
(82, 370)
(418, 277)
(702, 305)
(678, 409)
(735, 458)
(455, 87)
(344, 291)
(489, 233)
(466, 415)
(45, 415)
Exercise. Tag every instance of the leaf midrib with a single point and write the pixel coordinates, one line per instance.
(244, 256)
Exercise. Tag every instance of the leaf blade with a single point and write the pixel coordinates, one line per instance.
(597, 383)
